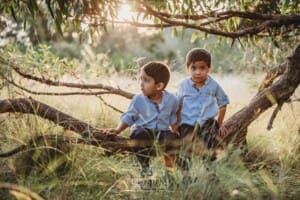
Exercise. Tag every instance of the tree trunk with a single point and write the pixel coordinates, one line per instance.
(278, 93)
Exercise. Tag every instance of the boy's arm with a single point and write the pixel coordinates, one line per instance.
(175, 126)
(221, 114)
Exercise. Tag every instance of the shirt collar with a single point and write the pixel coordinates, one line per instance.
(191, 82)
(164, 94)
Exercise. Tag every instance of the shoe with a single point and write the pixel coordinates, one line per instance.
(146, 171)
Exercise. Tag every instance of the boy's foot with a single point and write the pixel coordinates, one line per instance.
(146, 171)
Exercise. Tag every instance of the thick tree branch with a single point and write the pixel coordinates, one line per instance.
(279, 92)
(31, 106)
(90, 134)
(272, 75)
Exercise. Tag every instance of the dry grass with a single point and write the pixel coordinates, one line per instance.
(271, 172)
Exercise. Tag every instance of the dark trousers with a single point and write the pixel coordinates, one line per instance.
(207, 133)
(143, 134)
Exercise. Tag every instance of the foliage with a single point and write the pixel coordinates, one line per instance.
(233, 19)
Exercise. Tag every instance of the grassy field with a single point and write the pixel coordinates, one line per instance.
(270, 169)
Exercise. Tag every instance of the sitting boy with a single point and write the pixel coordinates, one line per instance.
(152, 113)
(202, 100)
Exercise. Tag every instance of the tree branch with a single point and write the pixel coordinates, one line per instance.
(278, 92)
(55, 93)
(270, 21)
(272, 75)
(112, 90)
(218, 14)
(273, 116)
(112, 107)
(31, 106)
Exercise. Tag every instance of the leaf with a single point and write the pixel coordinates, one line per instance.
(24, 23)
(13, 13)
(194, 37)
(175, 32)
(58, 26)
(48, 2)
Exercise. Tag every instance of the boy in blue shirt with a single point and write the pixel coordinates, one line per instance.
(202, 100)
(152, 113)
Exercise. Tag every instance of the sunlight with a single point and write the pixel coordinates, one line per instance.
(125, 12)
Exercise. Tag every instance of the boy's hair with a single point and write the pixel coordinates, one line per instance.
(158, 71)
(198, 54)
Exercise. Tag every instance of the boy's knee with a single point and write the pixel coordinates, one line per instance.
(140, 134)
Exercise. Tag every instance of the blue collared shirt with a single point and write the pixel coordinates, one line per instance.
(200, 104)
(142, 112)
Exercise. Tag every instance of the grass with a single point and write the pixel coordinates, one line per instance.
(270, 169)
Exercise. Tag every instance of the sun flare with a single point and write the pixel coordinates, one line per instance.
(125, 12)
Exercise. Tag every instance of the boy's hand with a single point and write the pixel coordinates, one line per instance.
(110, 131)
(222, 131)
(174, 129)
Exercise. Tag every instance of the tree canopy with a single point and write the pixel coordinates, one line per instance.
(233, 19)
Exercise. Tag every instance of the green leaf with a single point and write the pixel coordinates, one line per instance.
(58, 26)
(48, 2)
(13, 13)
(175, 32)
(194, 37)
(24, 23)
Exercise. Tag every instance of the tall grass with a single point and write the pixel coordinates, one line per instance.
(269, 170)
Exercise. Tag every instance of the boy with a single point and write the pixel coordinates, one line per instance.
(151, 113)
(202, 100)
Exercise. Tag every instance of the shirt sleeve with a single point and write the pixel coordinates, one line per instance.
(173, 117)
(222, 98)
(131, 115)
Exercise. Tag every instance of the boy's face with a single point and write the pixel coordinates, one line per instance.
(148, 85)
(199, 71)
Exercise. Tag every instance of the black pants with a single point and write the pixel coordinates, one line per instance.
(143, 134)
(207, 133)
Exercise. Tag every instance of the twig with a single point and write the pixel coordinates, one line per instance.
(273, 116)
(107, 104)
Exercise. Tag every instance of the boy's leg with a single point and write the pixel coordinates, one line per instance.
(169, 154)
(183, 158)
(143, 154)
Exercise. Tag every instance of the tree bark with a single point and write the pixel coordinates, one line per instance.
(277, 93)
